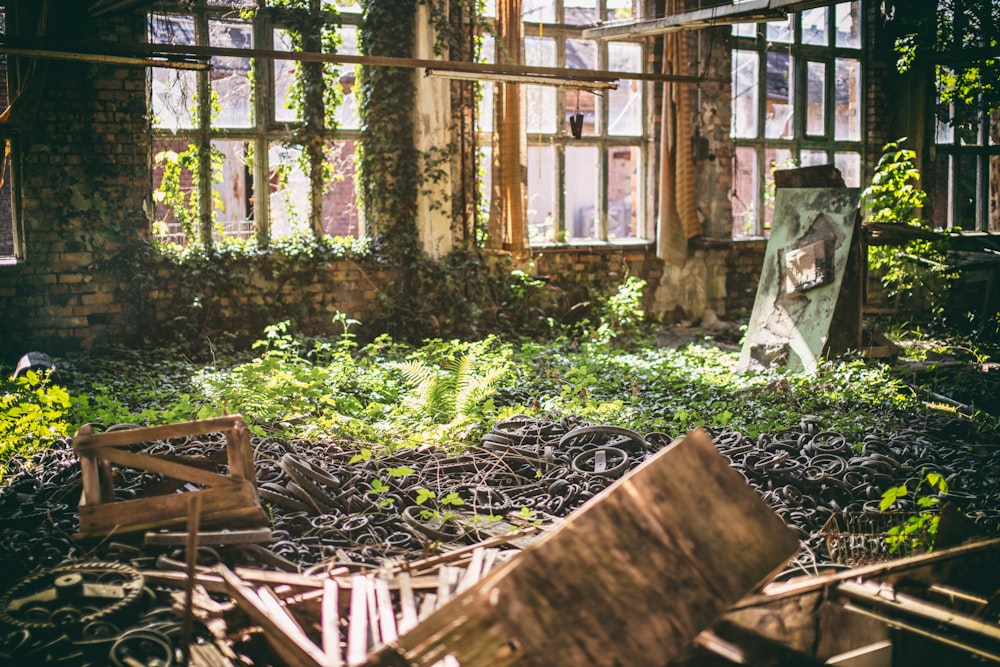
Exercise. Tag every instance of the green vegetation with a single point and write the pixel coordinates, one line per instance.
(384, 395)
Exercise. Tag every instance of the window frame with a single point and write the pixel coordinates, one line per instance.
(553, 230)
(801, 142)
(264, 131)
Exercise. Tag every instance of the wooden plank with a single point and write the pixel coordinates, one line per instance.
(330, 623)
(641, 568)
(233, 504)
(407, 603)
(295, 649)
(158, 465)
(85, 441)
(357, 629)
(386, 614)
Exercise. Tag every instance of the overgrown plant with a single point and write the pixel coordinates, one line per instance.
(33, 414)
(918, 530)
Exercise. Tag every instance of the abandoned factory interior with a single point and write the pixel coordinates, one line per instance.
(499, 333)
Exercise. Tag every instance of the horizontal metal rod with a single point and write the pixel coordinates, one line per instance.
(753, 11)
(192, 51)
(521, 78)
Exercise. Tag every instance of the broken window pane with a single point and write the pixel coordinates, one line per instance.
(340, 210)
(745, 29)
(745, 204)
(542, 204)
(744, 116)
(993, 224)
(230, 76)
(232, 189)
(625, 103)
(174, 92)
(847, 99)
(780, 97)
(816, 98)
(966, 187)
(581, 191)
(814, 27)
(623, 192)
(485, 170)
(175, 201)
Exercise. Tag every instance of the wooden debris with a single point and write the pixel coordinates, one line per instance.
(229, 500)
(642, 568)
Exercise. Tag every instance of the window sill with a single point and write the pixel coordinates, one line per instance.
(593, 246)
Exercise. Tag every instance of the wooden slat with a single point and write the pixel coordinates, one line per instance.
(386, 614)
(294, 648)
(640, 570)
(330, 622)
(85, 441)
(407, 603)
(357, 629)
(162, 466)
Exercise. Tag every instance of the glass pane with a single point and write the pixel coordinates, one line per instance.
(814, 27)
(340, 210)
(343, 5)
(774, 158)
(745, 180)
(941, 213)
(847, 99)
(490, 8)
(812, 158)
(744, 117)
(7, 247)
(780, 97)
(993, 224)
(173, 202)
(582, 54)
(540, 100)
(780, 31)
(623, 192)
(625, 103)
(484, 112)
(581, 192)
(284, 80)
(232, 190)
(347, 112)
(542, 205)
(745, 30)
(816, 99)
(538, 11)
(231, 76)
(289, 197)
(848, 24)
(580, 12)
(174, 92)
(485, 168)
(620, 10)
(849, 165)
(944, 133)
(966, 191)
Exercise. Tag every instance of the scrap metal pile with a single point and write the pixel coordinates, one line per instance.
(336, 515)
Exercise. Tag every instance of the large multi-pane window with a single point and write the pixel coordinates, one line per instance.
(9, 241)
(586, 188)
(967, 178)
(257, 121)
(796, 101)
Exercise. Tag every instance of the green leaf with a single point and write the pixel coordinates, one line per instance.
(890, 497)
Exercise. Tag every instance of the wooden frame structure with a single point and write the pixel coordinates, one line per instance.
(230, 499)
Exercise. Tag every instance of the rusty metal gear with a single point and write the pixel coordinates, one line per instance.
(73, 594)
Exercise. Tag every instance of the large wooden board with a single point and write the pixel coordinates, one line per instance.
(629, 579)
